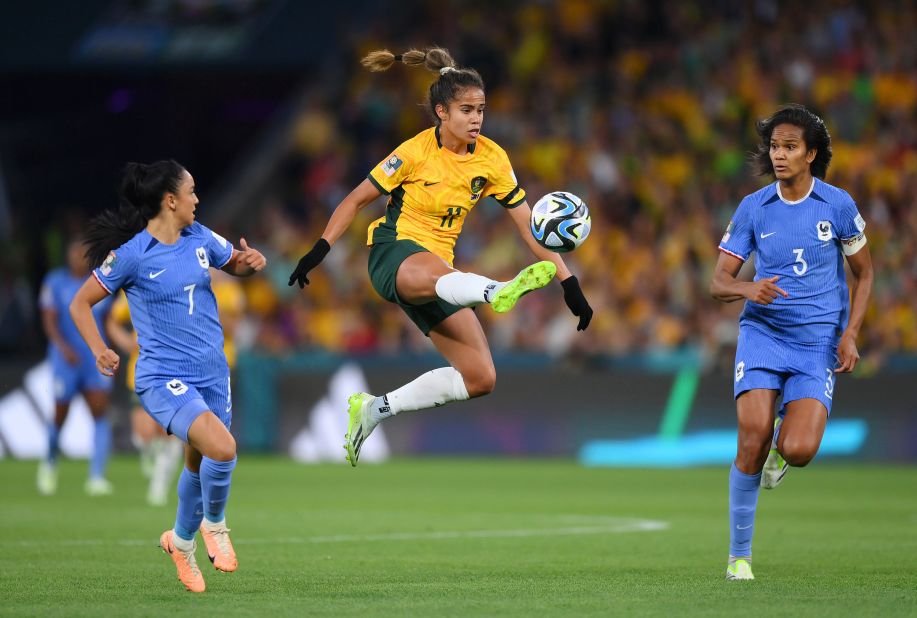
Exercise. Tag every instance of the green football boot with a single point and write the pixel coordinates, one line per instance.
(739, 568)
(359, 426)
(529, 279)
(775, 467)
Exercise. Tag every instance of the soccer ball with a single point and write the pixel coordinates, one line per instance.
(560, 221)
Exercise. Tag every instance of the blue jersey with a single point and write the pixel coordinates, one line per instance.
(57, 290)
(803, 243)
(173, 308)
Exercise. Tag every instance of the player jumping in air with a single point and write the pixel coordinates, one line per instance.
(799, 327)
(434, 179)
(155, 251)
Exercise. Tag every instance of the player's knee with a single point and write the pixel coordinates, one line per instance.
(225, 450)
(798, 452)
(481, 381)
(755, 440)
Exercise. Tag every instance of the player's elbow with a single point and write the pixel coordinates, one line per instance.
(76, 307)
(716, 290)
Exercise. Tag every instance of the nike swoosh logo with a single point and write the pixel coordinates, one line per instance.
(744, 527)
(154, 275)
(430, 184)
(763, 235)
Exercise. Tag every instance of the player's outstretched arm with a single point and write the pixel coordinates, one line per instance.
(727, 288)
(340, 220)
(245, 262)
(861, 268)
(573, 293)
(107, 361)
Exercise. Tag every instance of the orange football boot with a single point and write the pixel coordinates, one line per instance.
(188, 572)
(219, 547)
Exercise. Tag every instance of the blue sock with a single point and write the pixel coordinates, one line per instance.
(53, 442)
(743, 499)
(215, 479)
(189, 514)
(101, 448)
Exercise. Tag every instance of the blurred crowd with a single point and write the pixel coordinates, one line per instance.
(648, 114)
(645, 110)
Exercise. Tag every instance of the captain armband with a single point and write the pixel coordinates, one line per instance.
(854, 244)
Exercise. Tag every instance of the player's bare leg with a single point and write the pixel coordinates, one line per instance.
(802, 431)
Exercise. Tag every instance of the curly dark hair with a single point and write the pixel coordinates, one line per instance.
(814, 133)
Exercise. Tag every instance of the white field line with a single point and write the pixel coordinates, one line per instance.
(611, 526)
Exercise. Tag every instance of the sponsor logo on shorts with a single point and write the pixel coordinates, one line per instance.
(177, 387)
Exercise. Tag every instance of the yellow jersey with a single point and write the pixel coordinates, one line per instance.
(231, 306)
(432, 190)
(121, 313)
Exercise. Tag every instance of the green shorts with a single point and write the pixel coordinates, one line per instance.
(384, 260)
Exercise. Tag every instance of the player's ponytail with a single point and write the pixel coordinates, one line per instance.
(142, 189)
(452, 79)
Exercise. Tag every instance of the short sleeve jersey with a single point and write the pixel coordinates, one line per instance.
(171, 303)
(432, 190)
(804, 243)
(57, 291)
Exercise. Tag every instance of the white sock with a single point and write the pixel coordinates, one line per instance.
(181, 544)
(432, 389)
(168, 452)
(214, 524)
(466, 289)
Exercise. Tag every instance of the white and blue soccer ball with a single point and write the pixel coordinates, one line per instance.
(560, 221)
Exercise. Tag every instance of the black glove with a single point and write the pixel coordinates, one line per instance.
(579, 306)
(308, 262)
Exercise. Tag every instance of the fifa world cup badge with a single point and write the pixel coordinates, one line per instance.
(108, 264)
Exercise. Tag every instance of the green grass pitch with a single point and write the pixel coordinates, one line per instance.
(437, 537)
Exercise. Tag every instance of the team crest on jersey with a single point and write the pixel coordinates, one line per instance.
(108, 264)
(202, 257)
(391, 166)
(824, 230)
(477, 184)
(728, 233)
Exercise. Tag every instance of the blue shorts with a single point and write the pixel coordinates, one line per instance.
(72, 379)
(798, 371)
(174, 404)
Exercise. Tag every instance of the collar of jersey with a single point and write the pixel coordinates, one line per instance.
(153, 241)
(802, 199)
(439, 143)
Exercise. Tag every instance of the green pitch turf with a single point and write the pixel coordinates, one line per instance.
(469, 538)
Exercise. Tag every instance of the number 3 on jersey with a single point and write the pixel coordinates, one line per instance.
(800, 270)
(190, 290)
